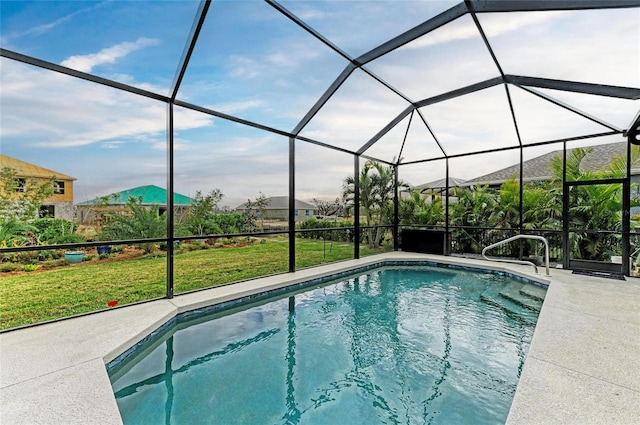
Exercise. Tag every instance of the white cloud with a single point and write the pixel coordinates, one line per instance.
(86, 63)
(235, 107)
(243, 67)
(50, 110)
(45, 27)
(111, 144)
(465, 29)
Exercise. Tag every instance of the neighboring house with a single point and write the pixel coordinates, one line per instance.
(539, 168)
(60, 204)
(438, 187)
(151, 195)
(278, 209)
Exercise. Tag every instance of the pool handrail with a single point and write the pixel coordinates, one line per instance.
(513, 238)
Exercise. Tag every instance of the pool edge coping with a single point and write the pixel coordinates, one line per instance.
(43, 407)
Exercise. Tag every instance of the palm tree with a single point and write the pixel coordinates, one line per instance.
(592, 208)
(140, 223)
(376, 198)
(419, 209)
(475, 208)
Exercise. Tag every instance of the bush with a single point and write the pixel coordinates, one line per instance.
(50, 264)
(344, 235)
(56, 231)
(10, 267)
(30, 267)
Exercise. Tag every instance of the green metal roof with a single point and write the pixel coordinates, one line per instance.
(150, 195)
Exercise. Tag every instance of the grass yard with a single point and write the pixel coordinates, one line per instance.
(36, 297)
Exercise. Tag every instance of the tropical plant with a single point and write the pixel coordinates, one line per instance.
(593, 208)
(15, 233)
(474, 210)
(140, 222)
(421, 210)
(377, 187)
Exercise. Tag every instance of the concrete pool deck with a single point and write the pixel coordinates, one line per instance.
(583, 366)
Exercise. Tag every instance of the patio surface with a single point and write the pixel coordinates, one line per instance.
(583, 366)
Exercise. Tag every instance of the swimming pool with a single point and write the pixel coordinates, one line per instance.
(391, 345)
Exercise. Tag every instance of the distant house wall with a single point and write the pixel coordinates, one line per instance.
(63, 210)
(60, 203)
(278, 209)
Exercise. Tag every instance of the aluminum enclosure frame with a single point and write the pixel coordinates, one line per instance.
(467, 7)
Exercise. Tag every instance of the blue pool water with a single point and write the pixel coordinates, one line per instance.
(398, 345)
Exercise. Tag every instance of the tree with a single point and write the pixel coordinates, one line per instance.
(475, 208)
(21, 198)
(327, 208)
(376, 198)
(256, 209)
(201, 212)
(594, 207)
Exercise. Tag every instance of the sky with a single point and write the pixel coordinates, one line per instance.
(252, 62)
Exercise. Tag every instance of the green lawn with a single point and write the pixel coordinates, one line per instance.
(37, 297)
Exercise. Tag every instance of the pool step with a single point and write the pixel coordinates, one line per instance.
(534, 292)
(514, 310)
(512, 292)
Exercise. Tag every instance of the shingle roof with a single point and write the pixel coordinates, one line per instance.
(282, 203)
(151, 195)
(539, 168)
(26, 169)
(440, 184)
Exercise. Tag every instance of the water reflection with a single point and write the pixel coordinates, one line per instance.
(393, 346)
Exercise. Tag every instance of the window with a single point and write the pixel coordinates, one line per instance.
(296, 213)
(58, 188)
(306, 213)
(47, 211)
(21, 185)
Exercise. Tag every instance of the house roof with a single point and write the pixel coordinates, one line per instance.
(282, 203)
(539, 168)
(440, 184)
(26, 169)
(150, 194)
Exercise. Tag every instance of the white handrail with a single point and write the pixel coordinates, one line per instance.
(504, 260)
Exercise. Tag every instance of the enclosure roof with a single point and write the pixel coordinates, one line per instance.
(402, 82)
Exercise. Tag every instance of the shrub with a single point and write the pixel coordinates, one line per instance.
(16, 233)
(50, 264)
(30, 267)
(9, 267)
(56, 231)
(344, 235)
